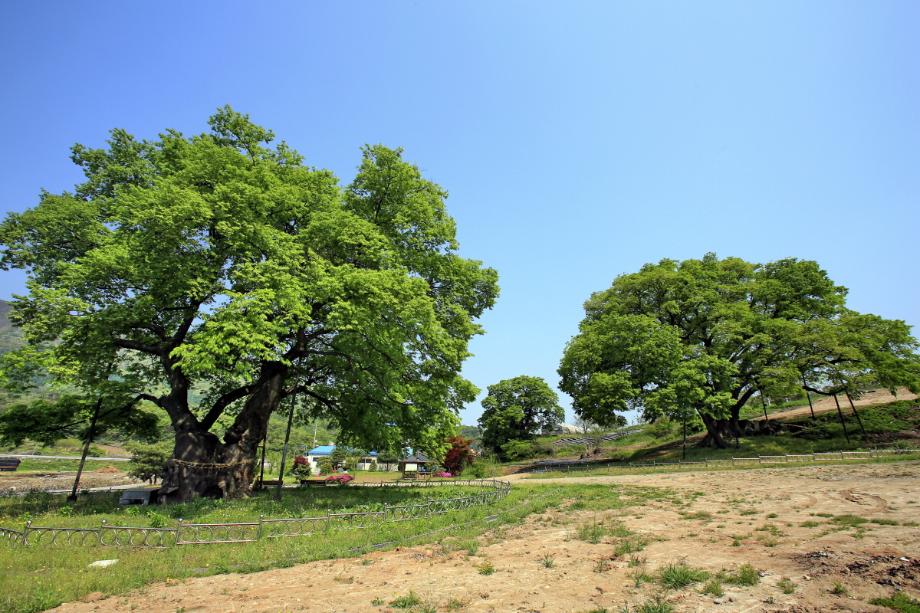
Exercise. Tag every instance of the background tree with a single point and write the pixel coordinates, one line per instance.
(47, 421)
(459, 456)
(148, 462)
(517, 410)
(706, 335)
(218, 265)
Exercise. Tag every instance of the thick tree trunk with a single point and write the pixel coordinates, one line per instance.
(204, 466)
(715, 431)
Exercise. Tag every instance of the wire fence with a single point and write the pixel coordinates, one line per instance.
(834, 456)
(191, 533)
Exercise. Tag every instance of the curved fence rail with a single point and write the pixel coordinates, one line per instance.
(829, 456)
(188, 533)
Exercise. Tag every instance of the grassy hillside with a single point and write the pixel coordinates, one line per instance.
(889, 424)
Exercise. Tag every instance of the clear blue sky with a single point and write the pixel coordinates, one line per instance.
(578, 140)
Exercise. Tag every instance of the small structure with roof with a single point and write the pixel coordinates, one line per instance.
(413, 464)
(366, 461)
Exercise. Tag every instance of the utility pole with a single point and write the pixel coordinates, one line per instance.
(287, 437)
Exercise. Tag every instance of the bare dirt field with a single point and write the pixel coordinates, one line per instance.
(781, 521)
(12, 483)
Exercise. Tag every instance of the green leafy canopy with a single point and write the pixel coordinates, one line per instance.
(703, 336)
(518, 409)
(220, 264)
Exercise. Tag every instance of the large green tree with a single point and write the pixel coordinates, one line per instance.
(706, 335)
(217, 266)
(518, 409)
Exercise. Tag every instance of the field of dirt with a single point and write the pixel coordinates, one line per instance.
(713, 521)
(13, 483)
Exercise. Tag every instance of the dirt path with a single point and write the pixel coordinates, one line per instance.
(825, 404)
(713, 520)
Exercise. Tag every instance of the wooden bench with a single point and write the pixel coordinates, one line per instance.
(312, 482)
(259, 484)
(9, 464)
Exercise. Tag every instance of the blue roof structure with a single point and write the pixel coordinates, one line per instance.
(328, 449)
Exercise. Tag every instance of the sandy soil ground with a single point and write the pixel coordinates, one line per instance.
(713, 520)
(824, 404)
(12, 483)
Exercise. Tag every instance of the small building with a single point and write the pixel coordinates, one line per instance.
(415, 463)
(367, 461)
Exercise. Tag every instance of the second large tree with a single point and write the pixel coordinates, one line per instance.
(706, 335)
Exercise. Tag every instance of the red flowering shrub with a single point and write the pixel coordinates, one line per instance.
(342, 479)
(459, 456)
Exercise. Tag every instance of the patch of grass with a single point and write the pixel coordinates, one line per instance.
(486, 568)
(635, 561)
(656, 605)
(884, 522)
(700, 515)
(772, 515)
(548, 561)
(679, 575)
(455, 604)
(406, 602)
(378, 602)
(745, 575)
(839, 589)
(639, 577)
(809, 524)
(602, 566)
(849, 521)
(713, 587)
(631, 545)
(591, 533)
(899, 601)
(786, 585)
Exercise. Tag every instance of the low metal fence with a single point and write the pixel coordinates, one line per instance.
(767, 459)
(190, 533)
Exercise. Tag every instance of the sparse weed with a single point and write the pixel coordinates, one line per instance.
(635, 561)
(899, 601)
(839, 589)
(678, 575)
(639, 577)
(486, 568)
(786, 585)
(631, 545)
(656, 605)
(591, 533)
(548, 561)
(406, 602)
(713, 587)
(746, 575)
